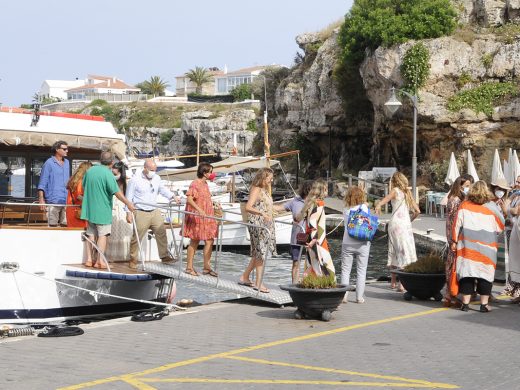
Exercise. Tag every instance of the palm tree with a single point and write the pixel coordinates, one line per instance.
(155, 86)
(199, 76)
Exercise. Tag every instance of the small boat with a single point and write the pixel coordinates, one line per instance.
(233, 234)
(42, 279)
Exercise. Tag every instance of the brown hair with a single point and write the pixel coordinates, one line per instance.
(400, 181)
(479, 193)
(78, 175)
(305, 188)
(204, 168)
(261, 175)
(456, 188)
(354, 196)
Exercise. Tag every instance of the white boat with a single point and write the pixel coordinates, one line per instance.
(232, 234)
(42, 279)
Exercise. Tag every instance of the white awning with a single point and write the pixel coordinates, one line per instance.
(16, 129)
(228, 165)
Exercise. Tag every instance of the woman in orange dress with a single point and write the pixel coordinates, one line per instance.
(196, 227)
(75, 196)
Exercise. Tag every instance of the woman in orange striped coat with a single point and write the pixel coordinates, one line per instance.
(475, 233)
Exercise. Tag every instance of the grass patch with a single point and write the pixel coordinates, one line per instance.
(507, 33)
(429, 264)
(482, 98)
(318, 282)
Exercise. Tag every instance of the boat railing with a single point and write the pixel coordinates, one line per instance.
(172, 208)
(17, 209)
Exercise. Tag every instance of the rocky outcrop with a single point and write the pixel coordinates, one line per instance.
(308, 103)
(441, 131)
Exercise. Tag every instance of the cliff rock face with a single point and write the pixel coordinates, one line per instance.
(308, 103)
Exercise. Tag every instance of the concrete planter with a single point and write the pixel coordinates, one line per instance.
(421, 286)
(316, 303)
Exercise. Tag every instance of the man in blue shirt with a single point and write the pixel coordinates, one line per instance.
(144, 188)
(52, 188)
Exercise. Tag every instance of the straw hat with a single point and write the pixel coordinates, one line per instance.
(501, 183)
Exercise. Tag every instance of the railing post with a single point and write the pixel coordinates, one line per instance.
(349, 180)
(386, 193)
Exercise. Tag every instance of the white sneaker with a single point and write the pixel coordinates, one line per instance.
(345, 298)
(361, 300)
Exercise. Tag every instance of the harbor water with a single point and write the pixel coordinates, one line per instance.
(278, 271)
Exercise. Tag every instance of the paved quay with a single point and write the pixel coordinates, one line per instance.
(385, 342)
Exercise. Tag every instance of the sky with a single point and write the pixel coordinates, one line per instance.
(134, 40)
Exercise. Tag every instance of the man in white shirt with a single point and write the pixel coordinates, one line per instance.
(144, 188)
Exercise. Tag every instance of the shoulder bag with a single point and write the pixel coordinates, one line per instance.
(362, 225)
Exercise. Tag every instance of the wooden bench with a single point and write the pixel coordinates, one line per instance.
(10, 212)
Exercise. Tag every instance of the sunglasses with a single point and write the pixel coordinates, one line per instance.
(65, 149)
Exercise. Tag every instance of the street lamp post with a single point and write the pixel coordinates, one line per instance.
(393, 105)
(267, 146)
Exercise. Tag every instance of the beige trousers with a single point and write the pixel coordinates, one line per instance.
(144, 221)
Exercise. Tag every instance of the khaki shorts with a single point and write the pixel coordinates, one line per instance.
(94, 229)
(56, 216)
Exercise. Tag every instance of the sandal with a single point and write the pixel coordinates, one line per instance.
(209, 272)
(191, 271)
(484, 308)
(263, 289)
(247, 284)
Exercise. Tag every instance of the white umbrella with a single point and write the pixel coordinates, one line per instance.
(514, 169)
(471, 167)
(496, 169)
(506, 170)
(509, 172)
(453, 171)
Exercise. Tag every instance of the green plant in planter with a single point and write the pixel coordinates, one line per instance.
(318, 282)
(429, 264)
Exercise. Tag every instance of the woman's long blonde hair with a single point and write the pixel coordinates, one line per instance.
(318, 191)
(400, 181)
(261, 175)
(78, 175)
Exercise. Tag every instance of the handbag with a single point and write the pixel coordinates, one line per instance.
(77, 207)
(362, 225)
(302, 238)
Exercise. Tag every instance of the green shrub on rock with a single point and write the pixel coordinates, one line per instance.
(482, 98)
(415, 68)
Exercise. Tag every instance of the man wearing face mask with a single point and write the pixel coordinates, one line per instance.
(144, 188)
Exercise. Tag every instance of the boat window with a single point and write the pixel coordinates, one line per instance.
(36, 170)
(12, 176)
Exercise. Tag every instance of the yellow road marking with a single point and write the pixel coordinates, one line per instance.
(338, 371)
(299, 382)
(252, 348)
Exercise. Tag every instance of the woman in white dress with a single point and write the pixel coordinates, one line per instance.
(119, 239)
(513, 210)
(401, 244)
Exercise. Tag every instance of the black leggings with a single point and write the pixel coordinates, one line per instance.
(467, 286)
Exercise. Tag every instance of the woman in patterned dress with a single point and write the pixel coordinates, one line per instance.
(401, 244)
(197, 227)
(259, 209)
(319, 261)
(456, 196)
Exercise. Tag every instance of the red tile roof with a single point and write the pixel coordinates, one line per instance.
(108, 83)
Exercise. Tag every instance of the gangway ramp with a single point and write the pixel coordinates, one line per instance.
(275, 295)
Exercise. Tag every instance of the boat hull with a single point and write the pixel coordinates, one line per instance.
(36, 287)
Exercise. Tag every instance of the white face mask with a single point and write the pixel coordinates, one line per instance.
(150, 174)
(465, 190)
(499, 194)
(117, 177)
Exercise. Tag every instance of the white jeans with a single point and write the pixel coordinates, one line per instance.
(361, 251)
